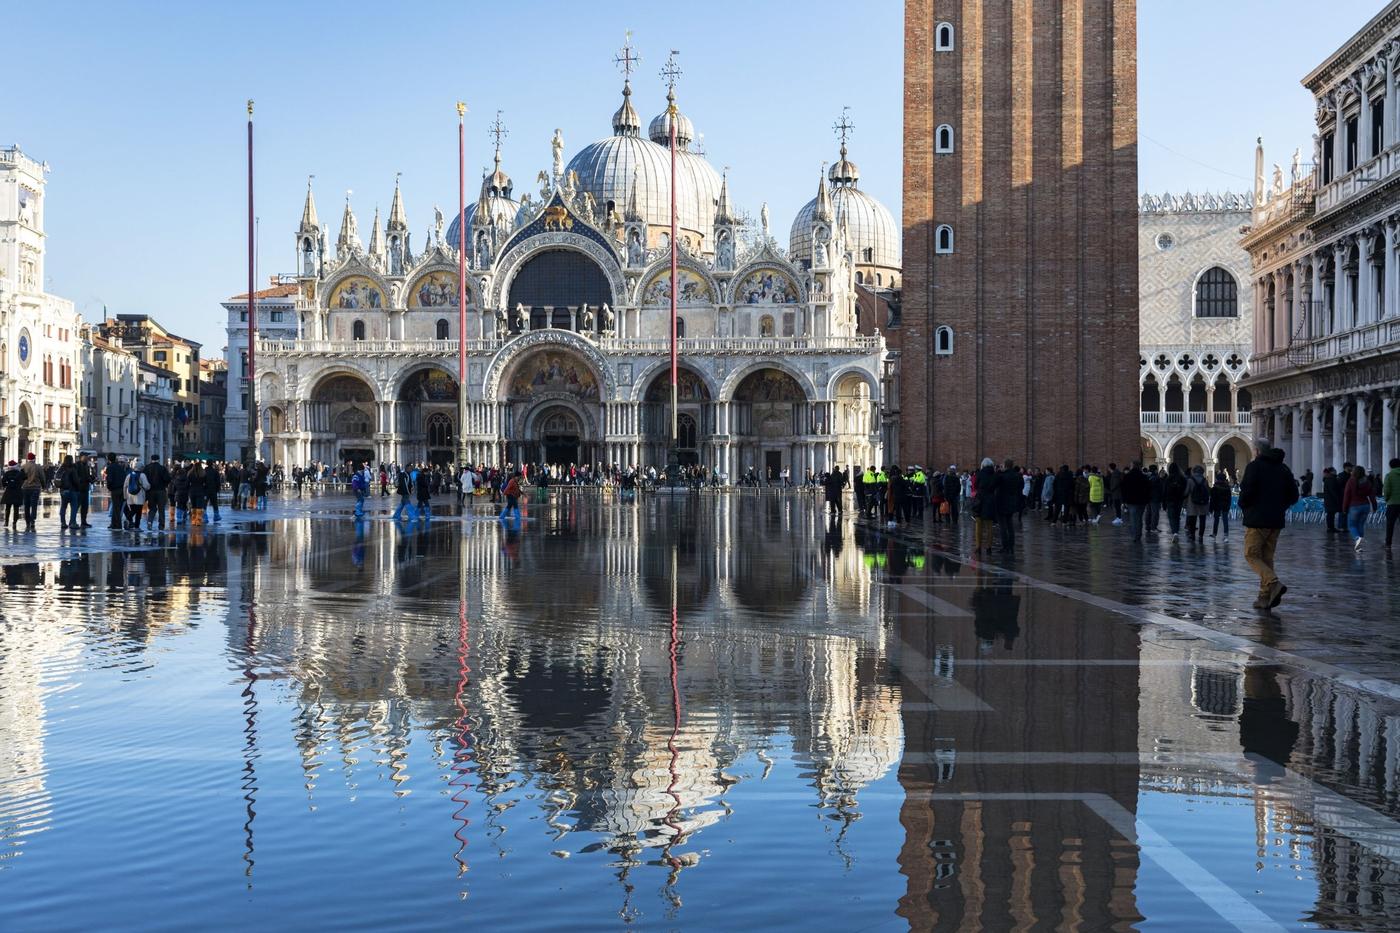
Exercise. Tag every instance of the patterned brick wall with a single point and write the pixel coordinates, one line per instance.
(1041, 290)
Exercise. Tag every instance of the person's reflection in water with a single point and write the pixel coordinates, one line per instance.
(832, 541)
(1267, 735)
(996, 610)
(357, 553)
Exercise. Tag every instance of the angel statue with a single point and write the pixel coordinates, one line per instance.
(543, 179)
(608, 319)
(521, 319)
(586, 316)
(437, 223)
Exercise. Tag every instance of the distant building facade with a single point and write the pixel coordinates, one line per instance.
(176, 356)
(213, 402)
(1020, 289)
(112, 384)
(40, 349)
(155, 412)
(1325, 260)
(276, 308)
(1196, 327)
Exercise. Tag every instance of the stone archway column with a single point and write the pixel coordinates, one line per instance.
(1390, 408)
(1339, 432)
(1363, 433)
(1317, 464)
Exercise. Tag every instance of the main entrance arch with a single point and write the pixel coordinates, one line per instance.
(341, 419)
(552, 408)
(695, 417)
(426, 416)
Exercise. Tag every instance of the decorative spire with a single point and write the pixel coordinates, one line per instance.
(498, 183)
(309, 223)
(823, 210)
(398, 222)
(724, 214)
(349, 239)
(376, 242)
(633, 212)
(660, 129)
(626, 122)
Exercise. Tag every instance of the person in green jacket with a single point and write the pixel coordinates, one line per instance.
(1390, 491)
(1096, 494)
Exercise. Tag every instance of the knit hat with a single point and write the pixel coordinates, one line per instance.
(29, 456)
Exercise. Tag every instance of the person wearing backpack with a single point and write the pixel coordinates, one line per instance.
(116, 481)
(360, 487)
(1220, 504)
(1267, 490)
(423, 488)
(403, 486)
(1197, 503)
(138, 485)
(512, 493)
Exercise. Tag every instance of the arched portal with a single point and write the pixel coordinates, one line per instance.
(693, 406)
(555, 280)
(552, 397)
(1232, 456)
(769, 419)
(26, 421)
(853, 419)
(426, 416)
(341, 419)
(1187, 452)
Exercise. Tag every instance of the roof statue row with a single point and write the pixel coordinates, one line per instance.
(1205, 202)
(617, 185)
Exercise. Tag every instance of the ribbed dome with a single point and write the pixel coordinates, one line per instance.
(495, 206)
(843, 170)
(869, 225)
(660, 129)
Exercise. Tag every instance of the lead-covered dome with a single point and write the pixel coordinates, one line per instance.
(497, 200)
(872, 234)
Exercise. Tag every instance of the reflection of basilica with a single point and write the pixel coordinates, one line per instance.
(568, 322)
(559, 688)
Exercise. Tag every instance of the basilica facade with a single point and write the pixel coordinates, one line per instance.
(568, 322)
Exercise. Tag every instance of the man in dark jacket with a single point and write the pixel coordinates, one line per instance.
(1332, 488)
(1008, 504)
(1137, 493)
(835, 483)
(159, 478)
(1063, 504)
(1266, 492)
(1157, 489)
(984, 505)
(115, 479)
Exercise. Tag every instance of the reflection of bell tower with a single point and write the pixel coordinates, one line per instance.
(397, 230)
(309, 258)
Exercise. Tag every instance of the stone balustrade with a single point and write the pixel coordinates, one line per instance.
(1358, 181)
(641, 346)
(1369, 337)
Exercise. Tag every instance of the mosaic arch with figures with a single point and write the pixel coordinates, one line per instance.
(357, 293)
(434, 290)
(694, 290)
(766, 286)
(553, 371)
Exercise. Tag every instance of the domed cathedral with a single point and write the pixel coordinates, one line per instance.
(568, 320)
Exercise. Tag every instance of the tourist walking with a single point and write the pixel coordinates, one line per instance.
(1197, 503)
(86, 479)
(984, 505)
(157, 486)
(403, 485)
(1063, 503)
(1097, 495)
(134, 493)
(1157, 490)
(1390, 491)
(1358, 502)
(1008, 504)
(359, 485)
(213, 481)
(1114, 483)
(115, 480)
(1136, 495)
(12, 495)
(1267, 490)
(1332, 486)
(31, 485)
(1220, 505)
(511, 491)
(68, 485)
(423, 490)
(1173, 495)
(835, 484)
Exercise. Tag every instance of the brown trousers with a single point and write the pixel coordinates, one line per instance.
(1259, 545)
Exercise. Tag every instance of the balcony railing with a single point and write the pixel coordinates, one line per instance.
(630, 345)
(1374, 336)
(1150, 417)
(1359, 180)
(1176, 417)
(1194, 417)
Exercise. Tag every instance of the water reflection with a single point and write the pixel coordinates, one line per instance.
(652, 708)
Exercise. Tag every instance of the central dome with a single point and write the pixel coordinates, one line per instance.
(610, 167)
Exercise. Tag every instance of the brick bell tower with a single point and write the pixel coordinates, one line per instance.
(1020, 319)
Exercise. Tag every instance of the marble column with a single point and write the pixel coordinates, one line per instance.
(1363, 433)
(1388, 298)
(1388, 129)
(1365, 277)
(1340, 318)
(1318, 326)
(1363, 126)
(1339, 433)
(1339, 149)
(1390, 411)
(1317, 461)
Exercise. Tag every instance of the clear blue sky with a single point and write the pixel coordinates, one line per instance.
(139, 109)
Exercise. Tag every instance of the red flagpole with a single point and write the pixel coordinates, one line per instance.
(461, 280)
(252, 310)
(674, 422)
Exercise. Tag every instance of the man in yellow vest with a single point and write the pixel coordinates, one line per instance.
(868, 491)
(918, 490)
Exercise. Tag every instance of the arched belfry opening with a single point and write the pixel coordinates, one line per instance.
(554, 284)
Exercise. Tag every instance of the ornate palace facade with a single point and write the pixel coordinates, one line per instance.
(568, 323)
(1325, 250)
(1196, 330)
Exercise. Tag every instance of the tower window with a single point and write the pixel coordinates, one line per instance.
(943, 239)
(442, 328)
(869, 253)
(943, 139)
(943, 341)
(860, 280)
(943, 37)
(357, 330)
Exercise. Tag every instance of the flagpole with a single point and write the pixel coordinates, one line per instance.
(671, 112)
(461, 283)
(252, 309)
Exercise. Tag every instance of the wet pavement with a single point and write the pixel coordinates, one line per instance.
(712, 712)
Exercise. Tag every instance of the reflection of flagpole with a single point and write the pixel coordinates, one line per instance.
(250, 746)
(252, 313)
(676, 832)
(461, 283)
(461, 758)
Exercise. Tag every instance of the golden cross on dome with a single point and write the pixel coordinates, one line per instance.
(844, 126)
(627, 57)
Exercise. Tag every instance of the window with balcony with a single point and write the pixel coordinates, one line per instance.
(1217, 294)
(442, 328)
(357, 330)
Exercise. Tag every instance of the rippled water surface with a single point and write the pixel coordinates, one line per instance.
(717, 713)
